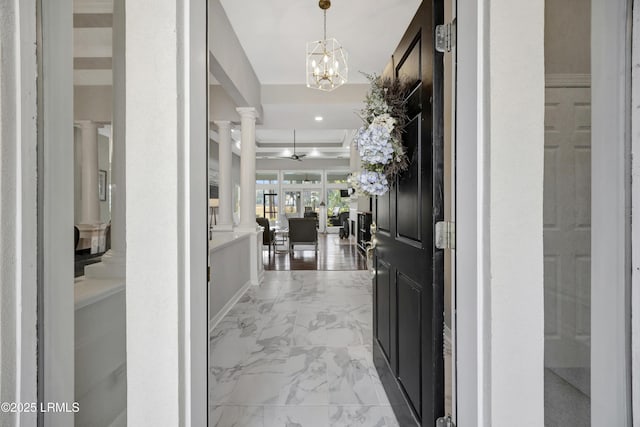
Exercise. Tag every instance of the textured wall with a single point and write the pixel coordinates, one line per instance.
(516, 165)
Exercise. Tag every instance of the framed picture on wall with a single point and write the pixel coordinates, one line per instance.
(102, 185)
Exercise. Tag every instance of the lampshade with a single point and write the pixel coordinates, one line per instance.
(327, 66)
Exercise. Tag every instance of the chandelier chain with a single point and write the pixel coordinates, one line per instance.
(325, 25)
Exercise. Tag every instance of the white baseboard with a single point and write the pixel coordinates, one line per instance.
(223, 312)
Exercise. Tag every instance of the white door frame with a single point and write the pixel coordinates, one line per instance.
(472, 337)
(56, 282)
(610, 213)
(18, 208)
(189, 341)
(635, 232)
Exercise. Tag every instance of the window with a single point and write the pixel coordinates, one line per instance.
(266, 178)
(299, 202)
(267, 203)
(301, 177)
(335, 206)
(337, 177)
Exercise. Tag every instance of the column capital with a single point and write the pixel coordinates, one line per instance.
(86, 124)
(223, 124)
(248, 112)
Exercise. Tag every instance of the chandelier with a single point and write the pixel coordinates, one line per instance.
(326, 60)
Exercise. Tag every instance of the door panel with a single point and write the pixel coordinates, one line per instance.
(409, 339)
(383, 286)
(383, 212)
(409, 67)
(409, 268)
(408, 204)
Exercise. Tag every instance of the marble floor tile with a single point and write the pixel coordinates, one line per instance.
(296, 352)
(362, 416)
(277, 330)
(236, 416)
(349, 376)
(296, 416)
(293, 377)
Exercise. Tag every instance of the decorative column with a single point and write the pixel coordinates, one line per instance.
(354, 166)
(248, 191)
(248, 168)
(113, 261)
(225, 184)
(90, 212)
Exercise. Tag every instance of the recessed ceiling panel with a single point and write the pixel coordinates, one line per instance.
(274, 34)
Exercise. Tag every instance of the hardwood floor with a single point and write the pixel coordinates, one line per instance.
(333, 254)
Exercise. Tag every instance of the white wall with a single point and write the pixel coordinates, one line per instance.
(18, 220)
(100, 355)
(152, 276)
(93, 103)
(567, 31)
(229, 64)
(228, 276)
(221, 106)
(515, 165)
(166, 209)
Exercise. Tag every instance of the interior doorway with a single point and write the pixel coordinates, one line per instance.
(567, 214)
(586, 213)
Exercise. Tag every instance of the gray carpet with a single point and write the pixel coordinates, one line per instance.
(564, 404)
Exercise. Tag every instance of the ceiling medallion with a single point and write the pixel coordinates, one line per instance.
(326, 60)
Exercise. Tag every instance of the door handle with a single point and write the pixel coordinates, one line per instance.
(371, 247)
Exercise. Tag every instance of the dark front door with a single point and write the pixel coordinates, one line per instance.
(408, 286)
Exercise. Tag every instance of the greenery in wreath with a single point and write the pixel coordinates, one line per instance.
(379, 141)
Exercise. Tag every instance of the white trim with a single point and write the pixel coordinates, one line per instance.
(567, 80)
(89, 291)
(472, 340)
(57, 209)
(635, 197)
(213, 322)
(18, 209)
(610, 376)
(193, 193)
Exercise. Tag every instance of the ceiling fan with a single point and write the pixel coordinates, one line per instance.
(295, 156)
